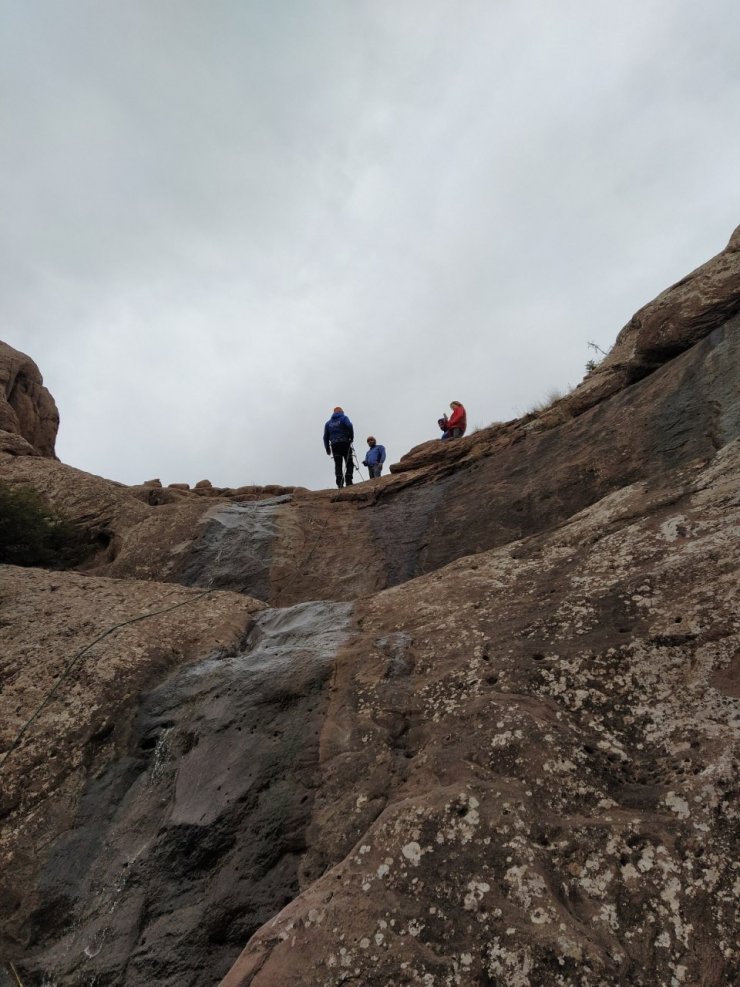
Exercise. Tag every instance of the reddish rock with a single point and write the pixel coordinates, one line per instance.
(510, 757)
(27, 409)
(678, 318)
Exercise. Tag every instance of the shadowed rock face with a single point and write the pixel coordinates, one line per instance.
(509, 757)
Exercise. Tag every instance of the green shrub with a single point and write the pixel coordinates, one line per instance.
(32, 533)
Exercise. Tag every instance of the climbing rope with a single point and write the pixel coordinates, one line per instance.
(15, 974)
(356, 461)
(76, 658)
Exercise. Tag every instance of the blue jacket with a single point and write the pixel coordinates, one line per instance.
(338, 429)
(375, 455)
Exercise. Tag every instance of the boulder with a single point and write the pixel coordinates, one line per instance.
(678, 318)
(27, 409)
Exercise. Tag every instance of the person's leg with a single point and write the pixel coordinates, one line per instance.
(456, 433)
(338, 468)
(375, 470)
(446, 435)
(350, 467)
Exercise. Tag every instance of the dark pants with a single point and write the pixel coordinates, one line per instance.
(344, 466)
(375, 469)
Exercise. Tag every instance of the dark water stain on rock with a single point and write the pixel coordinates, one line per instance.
(234, 549)
(185, 846)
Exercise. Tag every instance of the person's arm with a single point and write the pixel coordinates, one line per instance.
(326, 440)
(456, 418)
(381, 449)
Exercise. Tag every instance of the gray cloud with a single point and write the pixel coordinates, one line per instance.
(224, 219)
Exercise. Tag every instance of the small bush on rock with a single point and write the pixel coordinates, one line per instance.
(33, 534)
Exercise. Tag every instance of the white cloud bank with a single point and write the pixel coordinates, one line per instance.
(223, 219)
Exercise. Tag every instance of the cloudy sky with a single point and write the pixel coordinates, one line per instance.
(222, 218)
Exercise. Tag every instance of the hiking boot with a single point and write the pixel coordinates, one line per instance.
(349, 483)
(340, 484)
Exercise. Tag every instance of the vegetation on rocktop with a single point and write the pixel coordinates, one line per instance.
(33, 534)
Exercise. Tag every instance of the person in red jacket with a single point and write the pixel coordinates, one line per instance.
(454, 426)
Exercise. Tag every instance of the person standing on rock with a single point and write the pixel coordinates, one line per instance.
(454, 426)
(374, 457)
(338, 438)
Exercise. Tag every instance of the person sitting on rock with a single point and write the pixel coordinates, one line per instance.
(338, 438)
(374, 457)
(454, 426)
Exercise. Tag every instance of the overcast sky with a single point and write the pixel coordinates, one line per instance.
(220, 219)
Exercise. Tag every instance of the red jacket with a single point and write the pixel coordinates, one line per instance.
(457, 419)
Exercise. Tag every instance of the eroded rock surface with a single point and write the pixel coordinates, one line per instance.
(208, 804)
(481, 730)
(551, 731)
(76, 654)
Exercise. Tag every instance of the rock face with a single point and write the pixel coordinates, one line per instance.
(528, 773)
(29, 419)
(496, 744)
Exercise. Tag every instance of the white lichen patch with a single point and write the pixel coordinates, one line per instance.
(511, 965)
(540, 916)
(412, 852)
(595, 880)
(608, 915)
(463, 819)
(474, 896)
(501, 740)
(674, 528)
(647, 860)
(677, 804)
(384, 868)
(524, 885)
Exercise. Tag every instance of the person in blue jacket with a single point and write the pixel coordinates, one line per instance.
(374, 457)
(338, 438)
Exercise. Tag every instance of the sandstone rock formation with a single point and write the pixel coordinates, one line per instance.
(495, 746)
(29, 419)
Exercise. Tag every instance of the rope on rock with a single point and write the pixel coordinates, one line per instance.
(76, 658)
(15, 974)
